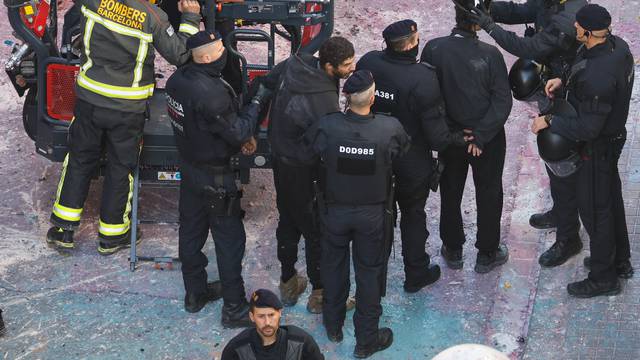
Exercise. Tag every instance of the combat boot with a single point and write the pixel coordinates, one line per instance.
(560, 252)
(544, 220)
(433, 274)
(623, 269)
(236, 315)
(291, 290)
(195, 302)
(453, 258)
(335, 335)
(486, 262)
(588, 288)
(383, 341)
(61, 239)
(314, 304)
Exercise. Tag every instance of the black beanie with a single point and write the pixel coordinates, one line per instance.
(593, 17)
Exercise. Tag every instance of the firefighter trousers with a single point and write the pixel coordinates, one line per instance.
(94, 132)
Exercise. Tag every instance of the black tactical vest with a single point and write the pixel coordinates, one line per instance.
(357, 160)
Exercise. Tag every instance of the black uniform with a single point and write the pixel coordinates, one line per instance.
(303, 93)
(357, 152)
(599, 88)
(554, 45)
(410, 92)
(208, 131)
(554, 41)
(292, 343)
(473, 78)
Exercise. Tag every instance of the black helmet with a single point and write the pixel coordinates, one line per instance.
(561, 155)
(526, 78)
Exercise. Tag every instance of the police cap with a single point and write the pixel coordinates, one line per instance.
(593, 17)
(399, 30)
(202, 38)
(358, 81)
(263, 298)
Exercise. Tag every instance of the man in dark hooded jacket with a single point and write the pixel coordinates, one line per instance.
(306, 88)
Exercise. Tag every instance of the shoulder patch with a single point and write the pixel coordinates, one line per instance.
(170, 31)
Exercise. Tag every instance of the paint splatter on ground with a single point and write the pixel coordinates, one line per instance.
(87, 306)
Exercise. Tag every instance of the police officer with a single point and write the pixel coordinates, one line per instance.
(306, 88)
(356, 149)
(209, 129)
(553, 44)
(115, 80)
(268, 339)
(473, 80)
(599, 88)
(409, 91)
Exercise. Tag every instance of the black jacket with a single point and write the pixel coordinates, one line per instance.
(292, 343)
(474, 81)
(203, 108)
(303, 93)
(409, 91)
(599, 88)
(554, 42)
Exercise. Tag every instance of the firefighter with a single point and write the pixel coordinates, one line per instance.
(306, 88)
(209, 129)
(599, 87)
(356, 149)
(409, 91)
(268, 339)
(115, 80)
(553, 43)
(473, 80)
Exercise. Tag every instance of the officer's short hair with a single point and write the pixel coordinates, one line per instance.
(361, 98)
(335, 51)
(399, 45)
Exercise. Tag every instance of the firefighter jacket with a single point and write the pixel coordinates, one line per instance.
(357, 151)
(117, 63)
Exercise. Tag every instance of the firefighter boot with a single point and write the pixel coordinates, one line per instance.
(59, 238)
(291, 290)
(106, 249)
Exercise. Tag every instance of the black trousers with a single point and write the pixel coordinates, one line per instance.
(487, 178)
(294, 199)
(412, 172)
(602, 209)
(196, 220)
(565, 205)
(364, 226)
(93, 131)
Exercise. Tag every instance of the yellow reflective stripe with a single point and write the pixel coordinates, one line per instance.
(127, 210)
(121, 92)
(63, 212)
(112, 229)
(88, 29)
(188, 28)
(115, 27)
(142, 54)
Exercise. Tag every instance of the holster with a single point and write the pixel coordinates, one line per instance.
(437, 167)
(223, 202)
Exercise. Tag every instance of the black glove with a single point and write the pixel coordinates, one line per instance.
(457, 138)
(480, 16)
(262, 96)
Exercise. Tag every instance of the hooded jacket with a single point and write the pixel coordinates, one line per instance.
(303, 93)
